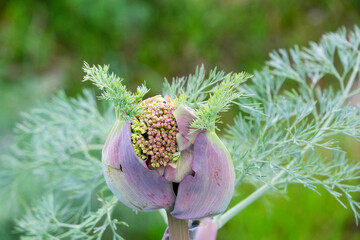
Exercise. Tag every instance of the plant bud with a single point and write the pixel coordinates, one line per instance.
(190, 173)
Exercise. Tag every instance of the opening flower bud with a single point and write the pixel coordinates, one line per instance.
(156, 126)
(158, 161)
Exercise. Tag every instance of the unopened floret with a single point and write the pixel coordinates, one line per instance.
(153, 134)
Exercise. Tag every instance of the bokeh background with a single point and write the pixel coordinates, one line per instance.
(43, 45)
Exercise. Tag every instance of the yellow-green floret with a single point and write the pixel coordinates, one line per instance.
(153, 134)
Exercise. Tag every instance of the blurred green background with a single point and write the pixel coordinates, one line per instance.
(43, 45)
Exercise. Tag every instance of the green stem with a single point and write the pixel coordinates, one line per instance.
(353, 75)
(232, 212)
(178, 229)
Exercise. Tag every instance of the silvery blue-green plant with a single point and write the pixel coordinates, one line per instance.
(289, 114)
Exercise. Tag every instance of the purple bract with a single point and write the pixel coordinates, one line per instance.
(157, 161)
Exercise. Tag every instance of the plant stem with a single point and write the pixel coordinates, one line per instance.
(163, 215)
(232, 212)
(241, 205)
(178, 229)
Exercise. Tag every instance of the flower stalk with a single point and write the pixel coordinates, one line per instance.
(178, 228)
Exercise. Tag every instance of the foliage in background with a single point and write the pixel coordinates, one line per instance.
(285, 144)
(44, 43)
(57, 152)
(54, 157)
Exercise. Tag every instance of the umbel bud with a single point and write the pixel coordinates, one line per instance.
(157, 161)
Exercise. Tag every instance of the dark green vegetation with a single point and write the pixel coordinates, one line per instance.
(43, 45)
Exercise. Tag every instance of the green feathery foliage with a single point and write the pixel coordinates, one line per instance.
(220, 100)
(53, 170)
(194, 89)
(301, 121)
(58, 223)
(206, 95)
(127, 104)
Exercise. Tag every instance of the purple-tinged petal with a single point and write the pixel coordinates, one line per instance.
(209, 191)
(207, 230)
(184, 117)
(151, 99)
(110, 147)
(182, 142)
(175, 172)
(131, 181)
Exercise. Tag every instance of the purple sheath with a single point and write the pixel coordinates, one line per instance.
(210, 190)
(128, 177)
